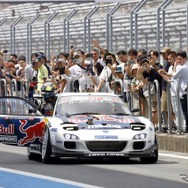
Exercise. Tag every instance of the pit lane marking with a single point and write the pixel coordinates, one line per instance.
(21, 177)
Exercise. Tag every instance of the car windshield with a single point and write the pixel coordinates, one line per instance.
(91, 104)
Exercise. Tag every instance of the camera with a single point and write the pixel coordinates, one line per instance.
(108, 61)
(4, 51)
(89, 55)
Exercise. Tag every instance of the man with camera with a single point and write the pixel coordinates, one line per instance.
(108, 71)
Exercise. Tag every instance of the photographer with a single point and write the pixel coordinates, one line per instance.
(108, 71)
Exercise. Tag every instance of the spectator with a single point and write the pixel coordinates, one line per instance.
(143, 103)
(43, 58)
(154, 60)
(42, 72)
(182, 75)
(148, 74)
(9, 75)
(132, 54)
(167, 76)
(164, 52)
(77, 70)
(135, 86)
(108, 71)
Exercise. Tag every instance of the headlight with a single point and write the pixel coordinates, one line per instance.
(70, 137)
(140, 136)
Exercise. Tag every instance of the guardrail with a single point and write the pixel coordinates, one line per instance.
(11, 89)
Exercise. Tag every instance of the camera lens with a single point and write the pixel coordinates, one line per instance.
(5, 51)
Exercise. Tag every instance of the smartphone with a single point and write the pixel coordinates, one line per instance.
(71, 47)
(108, 61)
(89, 55)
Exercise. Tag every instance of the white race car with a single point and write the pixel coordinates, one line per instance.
(85, 125)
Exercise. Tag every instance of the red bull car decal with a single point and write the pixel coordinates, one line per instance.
(83, 118)
(31, 133)
(21, 131)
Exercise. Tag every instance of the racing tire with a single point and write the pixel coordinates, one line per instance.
(150, 160)
(33, 156)
(46, 148)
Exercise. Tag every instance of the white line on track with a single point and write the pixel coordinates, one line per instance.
(48, 178)
(174, 156)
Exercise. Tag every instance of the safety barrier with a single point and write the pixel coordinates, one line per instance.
(12, 89)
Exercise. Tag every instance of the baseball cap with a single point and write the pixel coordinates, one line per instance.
(165, 49)
(39, 58)
(135, 66)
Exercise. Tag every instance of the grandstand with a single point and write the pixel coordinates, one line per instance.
(53, 27)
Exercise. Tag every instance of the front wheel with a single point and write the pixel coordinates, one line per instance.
(46, 148)
(152, 159)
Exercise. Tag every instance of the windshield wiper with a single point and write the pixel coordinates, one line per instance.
(83, 113)
(121, 114)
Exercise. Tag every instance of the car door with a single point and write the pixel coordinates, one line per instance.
(20, 123)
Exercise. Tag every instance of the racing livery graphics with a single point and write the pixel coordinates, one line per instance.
(21, 132)
(82, 125)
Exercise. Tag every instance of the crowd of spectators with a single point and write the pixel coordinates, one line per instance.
(128, 73)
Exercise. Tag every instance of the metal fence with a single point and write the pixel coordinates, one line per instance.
(148, 24)
(11, 90)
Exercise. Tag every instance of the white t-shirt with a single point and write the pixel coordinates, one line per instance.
(105, 74)
(69, 80)
(182, 74)
(173, 84)
(77, 71)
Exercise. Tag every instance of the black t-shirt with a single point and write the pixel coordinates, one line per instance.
(153, 75)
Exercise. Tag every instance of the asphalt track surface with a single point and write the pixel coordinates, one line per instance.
(17, 171)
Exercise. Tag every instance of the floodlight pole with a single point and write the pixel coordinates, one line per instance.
(109, 28)
(132, 13)
(29, 36)
(47, 34)
(87, 27)
(66, 30)
(12, 35)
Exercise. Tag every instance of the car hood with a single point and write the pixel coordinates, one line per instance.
(100, 121)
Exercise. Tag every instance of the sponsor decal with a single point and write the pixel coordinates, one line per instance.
(105, 154)
(14, 117)
(106, 137)
(8, 139)
(59, 142)
(31, 133)
(83, 119)
(7, 130)
(35, 147)
(105, 131)
(53, 130)
(104, 126)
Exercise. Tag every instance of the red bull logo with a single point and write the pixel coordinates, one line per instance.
(31, 133)
(7, 130)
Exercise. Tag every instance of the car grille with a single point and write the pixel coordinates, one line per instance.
(105, 145)
(139, 145)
